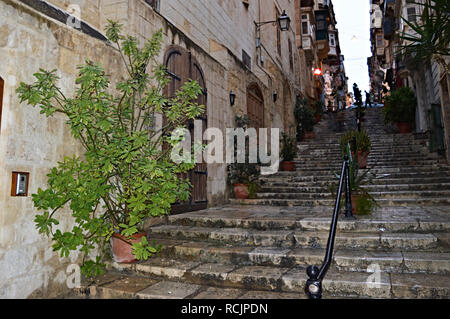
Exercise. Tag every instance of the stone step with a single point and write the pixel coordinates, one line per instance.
(373, 188)
(325, 183)
(391, 172)
(404, 202)
(396, 194)
(395, 261)
(410, 220)
(307, 157)
(128, 285)
(294, 238)
(279, 279)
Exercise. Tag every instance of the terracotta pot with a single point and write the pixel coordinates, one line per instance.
(287, 166)
(241, 191)
(122, 250)
(403, 127)
(354, 208)
(318, 118)
(362, 159)
(309, 135)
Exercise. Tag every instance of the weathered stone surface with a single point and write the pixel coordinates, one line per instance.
(420, 286)
(272, 295)
(169, 268)
(168, 290)
(254, 277)
(438, 263)
(212, 271)
(220, 293)
(124, 288)
(271, 256)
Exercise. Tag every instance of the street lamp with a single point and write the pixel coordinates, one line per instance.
(283, 21)
(232, 97)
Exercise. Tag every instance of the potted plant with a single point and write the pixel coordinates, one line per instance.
(125, 174)
(318, 111)
(363, 146)
(363, 202)
(400, 109)
(304, 116)
(288, 152)
(243, 177)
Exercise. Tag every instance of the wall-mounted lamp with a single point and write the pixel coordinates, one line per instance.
(283, 21)
(275, 96)
(317, 71)
(232, 98)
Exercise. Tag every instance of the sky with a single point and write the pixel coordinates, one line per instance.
(353, 23)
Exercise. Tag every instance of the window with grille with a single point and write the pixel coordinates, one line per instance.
(291, 58)
(247, 60)
(411, 12)
(278, 14)
(154, 4)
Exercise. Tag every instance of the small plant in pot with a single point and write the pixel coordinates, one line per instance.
(304, 115)
(400, 109)
(243, 176)
(288, 152)
(360, 151)
(126, 173)
(363, 202)
(318, 111)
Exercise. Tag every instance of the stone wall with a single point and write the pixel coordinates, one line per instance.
(30, 142)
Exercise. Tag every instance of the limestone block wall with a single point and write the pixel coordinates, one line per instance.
(30, 142)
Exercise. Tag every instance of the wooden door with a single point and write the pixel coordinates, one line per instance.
(182, 66)
(255, 107)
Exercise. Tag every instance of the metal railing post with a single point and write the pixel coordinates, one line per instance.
(313, 287)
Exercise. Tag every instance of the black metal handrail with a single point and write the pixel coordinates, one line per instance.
(313, 287)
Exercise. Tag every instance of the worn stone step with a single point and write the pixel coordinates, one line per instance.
(384, 220)
(293, 238)
(125, 285)
(391, 194)
(405, 202)
(397, 261)
(283, 188)
(385, 182)
(285, 279)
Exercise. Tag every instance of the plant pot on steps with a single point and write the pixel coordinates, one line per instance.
(287, 166)
(309, 135)
(354, 201)
(403, 127)
(362, 158)
(241, 191)
(122, 249)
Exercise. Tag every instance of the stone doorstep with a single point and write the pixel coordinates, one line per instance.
(364, 284)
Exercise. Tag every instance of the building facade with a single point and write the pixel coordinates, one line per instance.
(222, 44)
(388, 70)
(318, 42)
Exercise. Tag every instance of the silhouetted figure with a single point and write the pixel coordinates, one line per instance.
(368, 101)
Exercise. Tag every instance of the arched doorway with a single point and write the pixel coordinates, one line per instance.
(255, 106)
(182, 66)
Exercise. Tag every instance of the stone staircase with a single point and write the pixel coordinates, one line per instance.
(260, 248)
